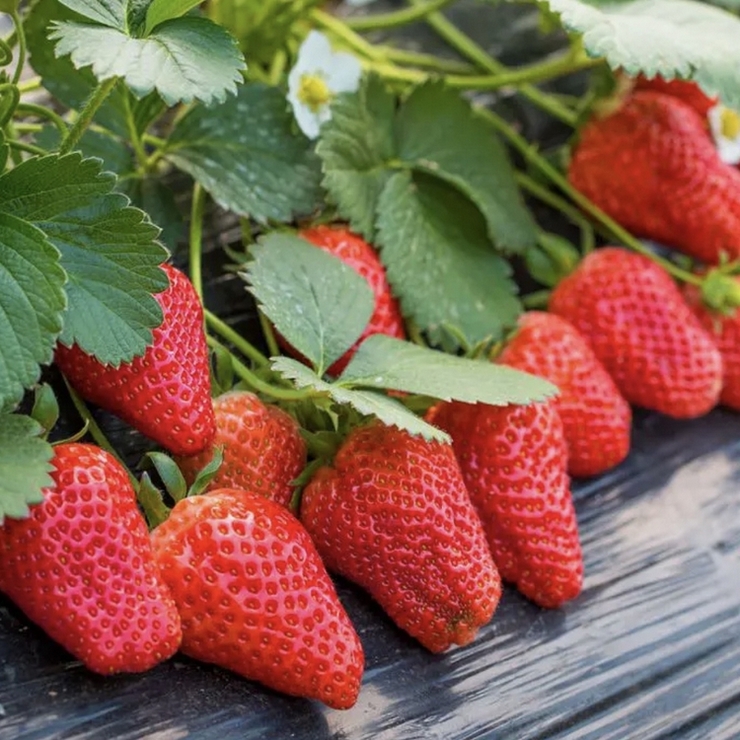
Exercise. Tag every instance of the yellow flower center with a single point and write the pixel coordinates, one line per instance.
(313, 92)
(730, 124)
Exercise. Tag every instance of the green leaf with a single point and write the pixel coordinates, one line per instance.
(355, 147)
(369, 403)
(183, 59)
(672, 38)
(478, 166)
(163, 10)
(31, 303)
(45, 409)
(108, 250)
(116, 155)
(170, 473)
(158, 201)
(247, 156)
(318, 303)
(386, 362)
(108, 12)
(25, 465)
(440, 262)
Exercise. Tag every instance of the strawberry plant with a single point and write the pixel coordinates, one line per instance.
(390, 223)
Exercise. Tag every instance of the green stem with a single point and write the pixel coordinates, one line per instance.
(154, 140)
(42, 112)
(138, 145)
(279, 62)
(381, 21)
(22, 146)
(424, 61)
(28, 128)
(236, 339)
(18, 23)
(96, 99)
(269, 335)
(616, 231)
(197, 210)
(340, 31)
(282, 394)
(539, 299)
(29, 85)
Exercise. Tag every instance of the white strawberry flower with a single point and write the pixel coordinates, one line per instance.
(318, 76)
(725, 126)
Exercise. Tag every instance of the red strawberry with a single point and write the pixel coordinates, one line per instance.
(262, 447)
(513, 460)
(393, 516)
(165, 393)
(642, 330)
(81, 567)
(653, 166)
(685, 90)
(725, 334)
(255, 598)
(596, 418)
(362, 258)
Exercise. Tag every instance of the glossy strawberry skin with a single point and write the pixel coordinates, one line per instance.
(165, 393)
(685, 90)
(596, 418)
(81, 567)
(255, 598)
(513, 460)
(653, 167)
(263, 450)
(643, 332)
(362, 258)
(724, 332)
(393, 516)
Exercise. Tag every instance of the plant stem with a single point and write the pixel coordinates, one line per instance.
(282, 394)
(347, 35)
(29, 85)
(133, 133)
(196, 238)
(41, 112)
(21, 63)
(22, 146)
(233, 337)
(380, 21)
(539, 299)
(424, 61)
(532, 156)
(277, 67)
(269, 335)
(96, 99)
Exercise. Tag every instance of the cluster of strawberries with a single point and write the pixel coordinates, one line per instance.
(235, 577)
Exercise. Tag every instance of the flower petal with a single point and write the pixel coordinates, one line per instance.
(344, 74)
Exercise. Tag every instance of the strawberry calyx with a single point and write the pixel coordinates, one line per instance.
(720, 291)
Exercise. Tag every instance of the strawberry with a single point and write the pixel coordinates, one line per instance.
(513, 460)
(362, 258)
(724, 331)
(653, 166)
(686, 90)
(393, 515)
(263, 450)
(81, 567)
(596, 418)
(639, 326)
(165, 393)
(255, 598)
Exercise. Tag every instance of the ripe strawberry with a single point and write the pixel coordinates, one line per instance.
(725, 334)
(653, 166)
(165, 393)
(255, 598)
(263, 450)
(513, 460)
(362, 258)
(686, 90)
(393, 515)
(596, 418)
(81, 567)
(642, 330)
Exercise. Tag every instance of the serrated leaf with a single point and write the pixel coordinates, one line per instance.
(460, 149)
(440, 262)
(369, 403)
(159, 203)
(672, 38)
(25, 465)
(162, 10)
(116, 155)
(183, 59)
(386, 362)
(318, 303)
(108, 12)
(31, 303)
(355, 148)
(247, 156)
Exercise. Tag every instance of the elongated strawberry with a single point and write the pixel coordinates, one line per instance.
(686, 90)
(165, 393)
(362, 258)
(724, 331)
(81, 567)
(642, 330)
(263, 450)
(255, 598)
(393, 515)
(596, 418)
(513, 460)
(652, 166)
